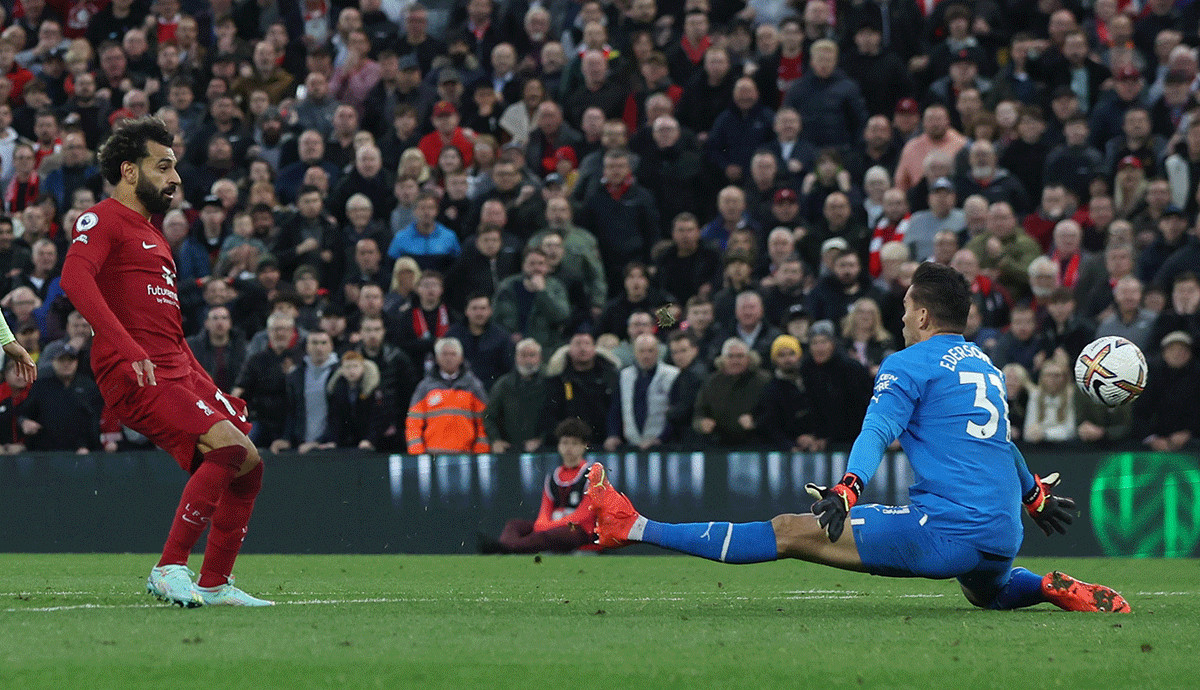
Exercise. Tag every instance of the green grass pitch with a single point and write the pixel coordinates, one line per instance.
(609, 622)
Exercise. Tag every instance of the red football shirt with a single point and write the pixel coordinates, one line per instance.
(120, 274)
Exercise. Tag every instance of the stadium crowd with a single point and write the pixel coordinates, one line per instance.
(450, 227)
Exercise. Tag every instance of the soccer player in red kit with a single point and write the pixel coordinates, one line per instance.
(120, 274)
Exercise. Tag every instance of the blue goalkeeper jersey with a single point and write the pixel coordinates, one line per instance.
(945, 401)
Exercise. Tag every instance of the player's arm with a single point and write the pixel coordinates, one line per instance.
(895, 396)
(79, 282)
(545, 519)
(1051, 513)
(25, 366)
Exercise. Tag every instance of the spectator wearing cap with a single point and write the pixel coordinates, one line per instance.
(942, 214)
(784, 415)
(830, 103)
(906, 119)
(937, 135)
(62, 411)
(1167, 413)
(446, 132)
(838, 387)
(738, 132)
(1108, 116)
(1137, 139)
(1076, 69)
(882, 74)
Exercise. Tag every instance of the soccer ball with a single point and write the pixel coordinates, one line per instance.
(1111, 370)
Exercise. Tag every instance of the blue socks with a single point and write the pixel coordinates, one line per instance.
(1023, 588)
(727, 542)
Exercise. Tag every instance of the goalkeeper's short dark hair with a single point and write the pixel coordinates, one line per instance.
(128, 144)
(573, 428)
(944, 292)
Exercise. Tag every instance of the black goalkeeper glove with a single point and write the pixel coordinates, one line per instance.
(1051, 513)
(834, 503)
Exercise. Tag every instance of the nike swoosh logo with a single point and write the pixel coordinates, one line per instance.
(148, 246)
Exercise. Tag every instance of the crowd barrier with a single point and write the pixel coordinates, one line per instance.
(1133, 503)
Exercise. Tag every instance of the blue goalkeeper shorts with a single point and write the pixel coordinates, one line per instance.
(895, 541)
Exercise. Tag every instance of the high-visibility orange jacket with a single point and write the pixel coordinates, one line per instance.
(446, 415)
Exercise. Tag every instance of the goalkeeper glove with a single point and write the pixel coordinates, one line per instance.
(834, 504)
(1051, 513)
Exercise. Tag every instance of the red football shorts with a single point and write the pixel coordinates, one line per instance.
(175, 413)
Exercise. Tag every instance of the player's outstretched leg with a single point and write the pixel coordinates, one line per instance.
(1070, 594)
(618, 523)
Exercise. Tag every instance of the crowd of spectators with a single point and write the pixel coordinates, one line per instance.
(453, 226)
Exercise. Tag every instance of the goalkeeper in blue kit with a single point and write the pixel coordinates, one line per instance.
(945, 401)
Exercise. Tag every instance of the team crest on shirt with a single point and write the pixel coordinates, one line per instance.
(208, 411)
(86, 222)
(168, 276)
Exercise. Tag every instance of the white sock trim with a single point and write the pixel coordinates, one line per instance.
(725, 546)
(638, 529)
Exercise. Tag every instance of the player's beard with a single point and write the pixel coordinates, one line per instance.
(154, 199)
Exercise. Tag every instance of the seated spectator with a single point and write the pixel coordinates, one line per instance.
(750, 325)
(1182, 314)
(1165, 414)
(263, 381)
(13, 391)
(306, 426)
(924, 226)
(1171, 238)
(685, 355)
(1098, 303)
(785, 290)
(309, 237)
(783, 415)
(638, 295)
(312, 300)
(580, 254)
(446, 411)
(686, 266)
(431, 244)
(62, 411)
(533, 304)
(565, 521)
(637, 415)
(219, 348)
(405, 276)
(507, 419)
(1020, 344)
(370, 305)
(1017, 390)
(1051, 413)
(1064, 332)
(281, 304)
(580, 383)
(428, 320)
(1129, 319)
(1005, 251)
(838, 386)
(837, 290)
(1101, 424)
(241, 250)
(487, 346)
(79, 337)
(731, 215)
(481, 266)
(726, 402)
(19, 306)
(359, 410)
(738, 277)
(994, 183)
(864, 338)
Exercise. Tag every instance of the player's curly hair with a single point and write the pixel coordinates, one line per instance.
(128, 144)
(944, 292)
(573, 427)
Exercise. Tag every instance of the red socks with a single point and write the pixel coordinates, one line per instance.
(229, 523)
(199, 501)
